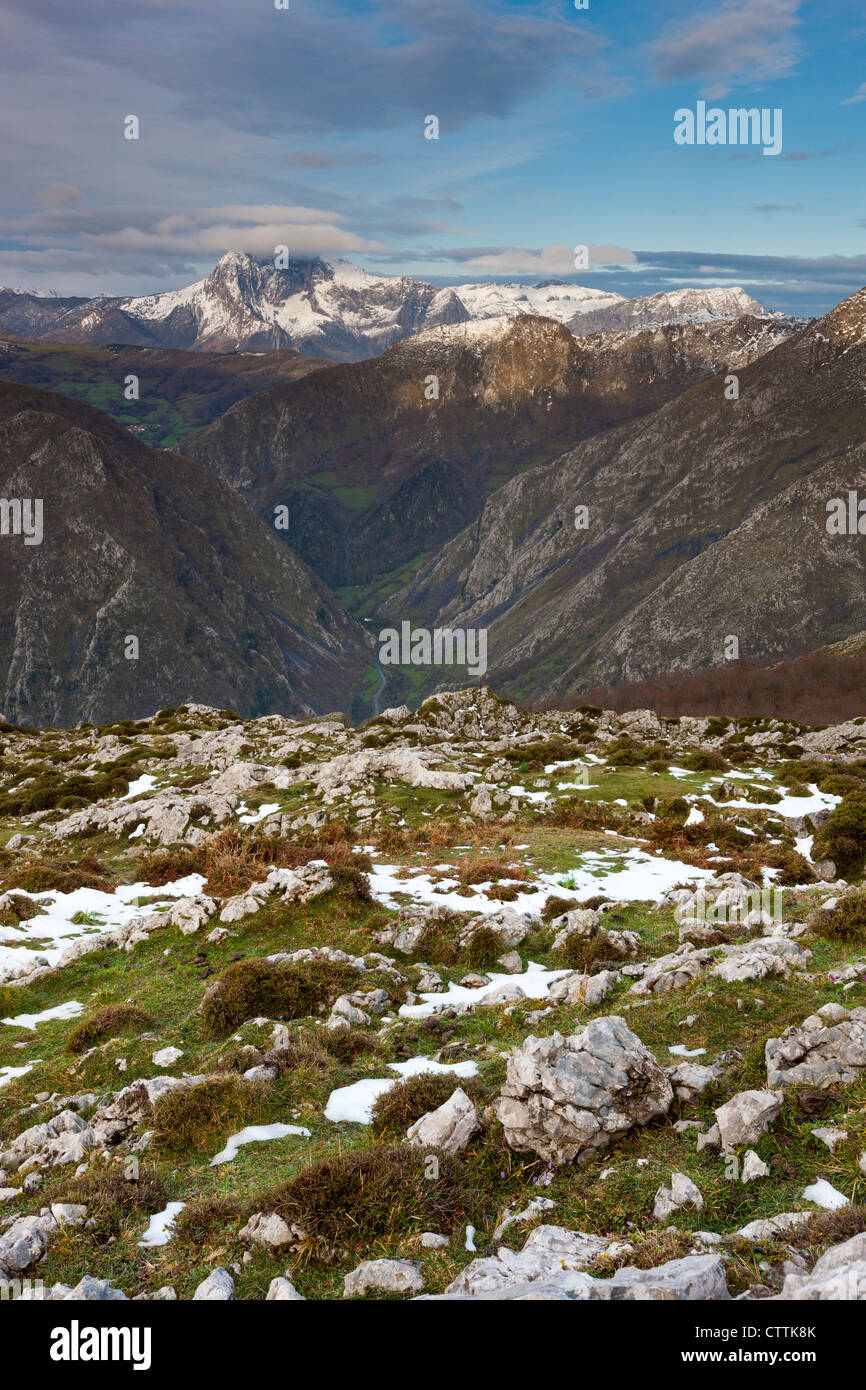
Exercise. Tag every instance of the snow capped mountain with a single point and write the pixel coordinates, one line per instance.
(670, 306)
(555, 299)
(340, 311)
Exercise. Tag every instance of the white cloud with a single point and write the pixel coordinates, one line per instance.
(745, 42)
(859, 95)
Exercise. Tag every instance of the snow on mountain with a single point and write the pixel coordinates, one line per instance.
(555, 299)
(340, 311)
(668, 307)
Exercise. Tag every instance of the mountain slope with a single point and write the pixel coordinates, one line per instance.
(178, 391)
(375, 475)
(148, 544)
(707, 519)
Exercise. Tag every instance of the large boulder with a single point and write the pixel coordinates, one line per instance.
(566, 1098)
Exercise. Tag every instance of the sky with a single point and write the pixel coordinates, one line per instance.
(304, 126)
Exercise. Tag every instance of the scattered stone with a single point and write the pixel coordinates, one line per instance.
(753, 1167)
(218, 1287)
(386, 1276)
(266, 1228)
(449, 1128)
(747, 1116)
(282, 1290)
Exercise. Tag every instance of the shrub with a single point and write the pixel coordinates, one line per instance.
(204, 1219)
(845, 922)
(274, 989)
(47, 875)
(398, 1108)
(166, 865)
(110, 1022)
(703, 760)
(582, 952)
(484, 948)
(346, 1044)
(843, 838)
(369, 1193)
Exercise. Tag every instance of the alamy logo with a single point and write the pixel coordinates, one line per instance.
(737, 126)
(445, 646)
(847, 516)
(10, 1289)
(22, 516)
(77, 1343)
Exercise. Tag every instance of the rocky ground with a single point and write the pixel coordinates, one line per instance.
(469, 1003)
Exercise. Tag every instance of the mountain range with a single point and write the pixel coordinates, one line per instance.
(337, 311)
(608, 507)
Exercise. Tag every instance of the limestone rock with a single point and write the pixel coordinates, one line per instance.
(218, 1287)
(747, 1116)
(566, 1098)
(817, 1055)
(449, 1128)
(386, 1276)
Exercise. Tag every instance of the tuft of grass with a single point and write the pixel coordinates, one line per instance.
(189, 1119)
(365, 1194)
(278, 990)
(111, 1022)
(400, 1106)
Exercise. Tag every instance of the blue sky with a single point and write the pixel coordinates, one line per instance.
(305, 127)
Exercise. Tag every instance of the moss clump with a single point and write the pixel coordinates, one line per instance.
(400, 1106)
(111, 1022)
(184, 1120)
(274, 989)
(366, 1194)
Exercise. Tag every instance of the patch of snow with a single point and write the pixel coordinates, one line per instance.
(255, 1134)
(69, 1010)
(159, 1230)
(823, 1194)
